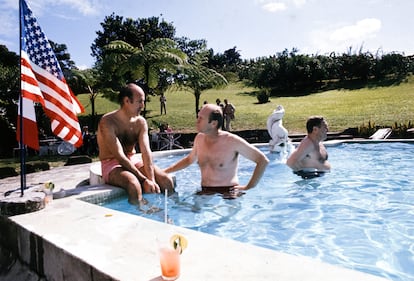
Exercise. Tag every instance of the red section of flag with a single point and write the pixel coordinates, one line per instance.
(30, 132)
(42, 81)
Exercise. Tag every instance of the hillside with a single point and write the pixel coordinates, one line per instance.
(343, 108)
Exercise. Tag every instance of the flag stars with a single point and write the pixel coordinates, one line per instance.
(38, 47)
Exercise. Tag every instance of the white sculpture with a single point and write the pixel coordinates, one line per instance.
(277, 132)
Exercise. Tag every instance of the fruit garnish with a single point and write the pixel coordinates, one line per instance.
(49, 185)
(179, 242)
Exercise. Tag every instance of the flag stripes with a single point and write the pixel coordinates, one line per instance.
(42, 81)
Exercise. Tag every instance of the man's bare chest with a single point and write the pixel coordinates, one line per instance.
(128, 135)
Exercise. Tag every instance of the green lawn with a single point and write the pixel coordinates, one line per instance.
(343, 109)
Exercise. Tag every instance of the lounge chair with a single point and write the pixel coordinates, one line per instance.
(381, 134)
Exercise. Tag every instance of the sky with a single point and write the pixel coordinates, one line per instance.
(257, 28)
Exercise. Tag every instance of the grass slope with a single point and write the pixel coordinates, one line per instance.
(343, 108)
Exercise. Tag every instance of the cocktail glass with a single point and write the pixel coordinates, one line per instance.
(169, 260)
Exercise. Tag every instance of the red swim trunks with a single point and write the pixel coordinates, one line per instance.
(108, 165)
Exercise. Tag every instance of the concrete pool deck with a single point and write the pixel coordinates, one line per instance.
(71, 239)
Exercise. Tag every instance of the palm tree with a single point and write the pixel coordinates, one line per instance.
(144, 62)
(86, 80)
(199, 78)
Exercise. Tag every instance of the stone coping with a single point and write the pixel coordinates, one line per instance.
(71, 239)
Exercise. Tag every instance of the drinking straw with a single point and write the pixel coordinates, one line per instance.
(165, 206)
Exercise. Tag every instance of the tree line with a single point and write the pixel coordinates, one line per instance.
(289, 73)
(146, 51)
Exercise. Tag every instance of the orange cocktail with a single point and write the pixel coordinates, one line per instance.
(170, 263)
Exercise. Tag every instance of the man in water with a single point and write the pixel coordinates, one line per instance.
(217, 153)
(311, 153)
(118, 134)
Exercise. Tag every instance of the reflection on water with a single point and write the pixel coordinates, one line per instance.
(359, 216)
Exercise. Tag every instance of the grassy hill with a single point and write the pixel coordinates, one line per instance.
(343, 108)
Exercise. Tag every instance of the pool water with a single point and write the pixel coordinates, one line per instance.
(359, 216)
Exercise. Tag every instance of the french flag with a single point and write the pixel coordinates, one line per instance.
(42, 81)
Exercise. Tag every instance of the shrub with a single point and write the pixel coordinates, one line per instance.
(263, 96)
(367, 130)
(401, 130)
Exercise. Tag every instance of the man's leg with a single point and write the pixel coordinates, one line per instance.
(129, 182)
(227, 123)
(164, 180)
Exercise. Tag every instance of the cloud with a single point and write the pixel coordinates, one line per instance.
(274, 7)
(282, 5)
(340, 39)
(363, 29)
(82, 67)
(85, 7)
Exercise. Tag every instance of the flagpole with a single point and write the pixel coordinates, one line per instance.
(22, 146)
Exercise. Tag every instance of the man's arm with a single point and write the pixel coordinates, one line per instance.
(298, 155)
(186, 161)
(254, 154)
(114, 147)
(145, 149)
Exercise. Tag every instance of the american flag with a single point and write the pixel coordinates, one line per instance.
(42, 81)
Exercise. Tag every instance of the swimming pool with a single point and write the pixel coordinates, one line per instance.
(359, 216)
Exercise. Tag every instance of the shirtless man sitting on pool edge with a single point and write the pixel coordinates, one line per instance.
(118, 133)
(311, 153)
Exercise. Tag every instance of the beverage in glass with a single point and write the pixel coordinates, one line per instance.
(170, 262)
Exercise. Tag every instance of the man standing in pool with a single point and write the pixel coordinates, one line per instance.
(217, 152)
(311, 153)
(118, 133)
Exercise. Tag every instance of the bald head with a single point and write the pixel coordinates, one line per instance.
(210, 108)
(128, 91)
(212, 112)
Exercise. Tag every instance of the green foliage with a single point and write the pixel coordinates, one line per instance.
(198, 77)
(294, 74)
(231, 77)
(399, 130)
(365, 108)
(144, 62)
(136, 33)
(367, 130)
(9, 92)
(229, 61)
(263, 96)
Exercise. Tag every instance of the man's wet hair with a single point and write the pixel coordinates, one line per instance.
(216, 115)
(314, 121)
